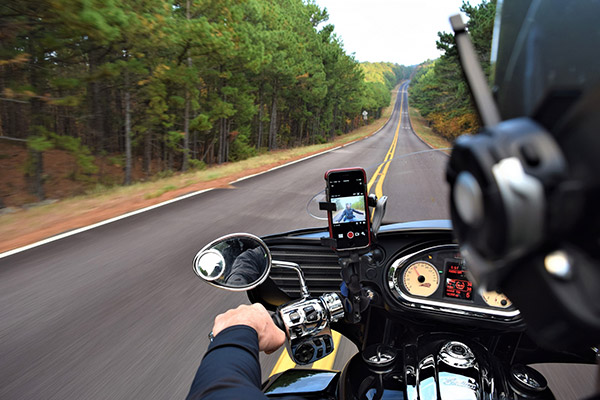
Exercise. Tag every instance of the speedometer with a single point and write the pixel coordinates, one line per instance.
(421, 279)
(496, 299)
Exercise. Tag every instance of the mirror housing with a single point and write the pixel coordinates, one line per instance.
(236, 262)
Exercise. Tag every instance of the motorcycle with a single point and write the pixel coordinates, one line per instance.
(423, 327)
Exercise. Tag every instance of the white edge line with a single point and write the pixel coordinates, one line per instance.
(164, 203)
(304, 158)
(312, 155)
(283, 165)
(419, 136)
(98, 224)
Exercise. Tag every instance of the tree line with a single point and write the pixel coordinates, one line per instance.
(178, 84)
(439, 89)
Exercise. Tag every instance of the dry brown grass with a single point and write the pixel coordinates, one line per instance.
(422, 129)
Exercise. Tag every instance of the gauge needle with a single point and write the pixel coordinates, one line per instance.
(415, 268)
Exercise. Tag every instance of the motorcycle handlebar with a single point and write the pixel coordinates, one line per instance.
(278, 321)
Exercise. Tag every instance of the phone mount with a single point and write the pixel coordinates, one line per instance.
(356, 299)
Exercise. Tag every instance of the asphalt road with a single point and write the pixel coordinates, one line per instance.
(116, 312)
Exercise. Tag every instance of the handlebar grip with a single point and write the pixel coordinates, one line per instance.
(278, 321)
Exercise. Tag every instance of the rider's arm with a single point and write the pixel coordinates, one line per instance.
(248, 267)
(230, 368)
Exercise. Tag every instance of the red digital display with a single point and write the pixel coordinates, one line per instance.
(457, 284)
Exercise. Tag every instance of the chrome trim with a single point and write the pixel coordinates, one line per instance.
(435, 305)
(458, 355)
(334, 305)
(241, 288)
(293, 266)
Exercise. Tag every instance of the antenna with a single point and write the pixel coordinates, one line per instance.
(468, 59)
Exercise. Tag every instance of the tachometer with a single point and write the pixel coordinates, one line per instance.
(421, 279)
(495, 299)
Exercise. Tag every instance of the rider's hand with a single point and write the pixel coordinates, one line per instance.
(270, 337)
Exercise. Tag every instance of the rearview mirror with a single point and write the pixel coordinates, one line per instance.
(236, 262)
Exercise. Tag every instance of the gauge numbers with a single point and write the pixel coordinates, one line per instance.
(421, 279)
(495, 299)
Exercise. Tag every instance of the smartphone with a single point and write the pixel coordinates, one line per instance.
(350, 223)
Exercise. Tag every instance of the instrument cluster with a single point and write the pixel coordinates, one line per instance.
(437, 279)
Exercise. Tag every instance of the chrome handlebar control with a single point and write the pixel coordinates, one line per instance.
(307, 326)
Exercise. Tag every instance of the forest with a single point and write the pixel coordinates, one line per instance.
(439, 89)
(177, 84)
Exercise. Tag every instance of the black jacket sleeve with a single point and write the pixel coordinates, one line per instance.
(248, 267)
(230, 368)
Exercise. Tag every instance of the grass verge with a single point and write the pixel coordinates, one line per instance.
(427, 134)
(37, 223)
(160, 192)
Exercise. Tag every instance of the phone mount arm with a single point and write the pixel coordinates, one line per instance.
(380, 207)
(356, 300)
(328, 206)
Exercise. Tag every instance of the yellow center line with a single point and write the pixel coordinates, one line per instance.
(390, 154)
(373, 178)
(388, 157)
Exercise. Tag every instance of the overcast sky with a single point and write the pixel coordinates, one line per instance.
(400, 31)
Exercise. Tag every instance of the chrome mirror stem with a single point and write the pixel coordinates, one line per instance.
(295, 267)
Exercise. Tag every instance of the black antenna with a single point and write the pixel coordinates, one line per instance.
(488, 111)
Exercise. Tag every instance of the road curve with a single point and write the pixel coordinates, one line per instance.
(116, 312)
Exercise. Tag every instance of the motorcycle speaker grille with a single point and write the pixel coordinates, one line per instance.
(319, 264)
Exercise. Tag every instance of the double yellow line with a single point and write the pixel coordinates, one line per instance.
(381, 172)
(285, 362)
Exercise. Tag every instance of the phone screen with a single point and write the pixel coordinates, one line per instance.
(349, 223)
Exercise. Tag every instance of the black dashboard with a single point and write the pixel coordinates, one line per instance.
(420, 273)
(436, 279)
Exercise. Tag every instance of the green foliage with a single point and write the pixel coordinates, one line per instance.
(379, 79)
(184, 79)
(241, 148)
(438, 88)
(84, 160)
(117, 161)
(167, 173)
(197, 165)
(201, 123)
(39, 143)
(320, 139)
(386, 73)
